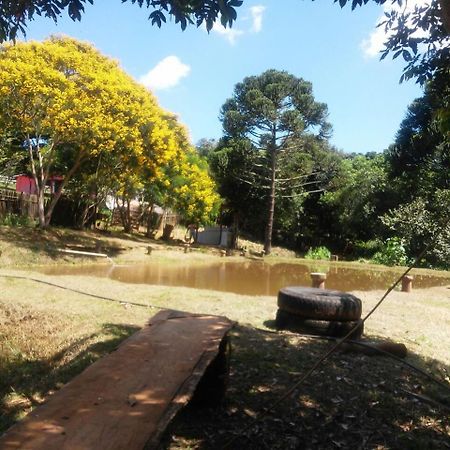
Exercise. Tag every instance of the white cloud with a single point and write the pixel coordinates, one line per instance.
(373, 44)
(257, 16)
(230, 34)
(166, 74)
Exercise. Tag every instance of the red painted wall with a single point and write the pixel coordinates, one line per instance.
(25, 184)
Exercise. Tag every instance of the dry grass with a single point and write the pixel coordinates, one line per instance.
(48, 335)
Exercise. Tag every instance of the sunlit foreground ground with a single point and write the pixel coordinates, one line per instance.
(49, 334)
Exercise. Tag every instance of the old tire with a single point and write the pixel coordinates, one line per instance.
(286, 321)
(319, 304)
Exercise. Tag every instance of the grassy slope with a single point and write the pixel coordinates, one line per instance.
(47, 335)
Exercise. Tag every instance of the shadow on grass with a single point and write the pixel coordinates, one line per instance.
(51, 240)
(351, 401)
(24, 383)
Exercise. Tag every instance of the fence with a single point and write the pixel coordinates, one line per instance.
(12, 202)
(139, 217)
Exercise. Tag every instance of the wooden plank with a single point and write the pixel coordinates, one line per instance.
(79, 252)
(126, 399)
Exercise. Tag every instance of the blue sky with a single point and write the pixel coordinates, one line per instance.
(192, 73)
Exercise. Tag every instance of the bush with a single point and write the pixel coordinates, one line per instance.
(318, 253)
(393, 253)
(366, 249)
(424, 221)
(16, 220)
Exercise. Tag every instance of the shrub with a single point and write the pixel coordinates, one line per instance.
(393, 253)
(16, 220)
(423, 222)
(318, 253)
(366, 249)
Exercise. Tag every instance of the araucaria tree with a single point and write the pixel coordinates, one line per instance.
(277, 113)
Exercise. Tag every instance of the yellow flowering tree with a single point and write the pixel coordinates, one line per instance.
(195, 193)
(182, 180)
(64, 103)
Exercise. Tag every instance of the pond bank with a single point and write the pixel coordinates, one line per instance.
(24, 247)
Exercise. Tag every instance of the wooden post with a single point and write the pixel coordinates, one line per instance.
(167, 232)
(407, 283)
(318, 280)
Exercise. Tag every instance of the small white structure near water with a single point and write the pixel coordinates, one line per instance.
(213, 236)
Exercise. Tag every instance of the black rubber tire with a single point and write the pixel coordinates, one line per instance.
(320, 304)
(296, 324)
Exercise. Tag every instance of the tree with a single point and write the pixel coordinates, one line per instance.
(421, 222)
(231, 158)
(421, 35)
(205, 147)
(356, 199)
(183, 182)
(195, 196)
(14, 16)
(301, 221)
(419, 159)
(272, 111)
(64, 103)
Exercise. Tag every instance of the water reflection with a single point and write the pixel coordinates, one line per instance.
(249, 277)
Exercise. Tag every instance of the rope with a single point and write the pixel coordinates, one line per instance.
(308, 336)
(101, 297)
(265, 410)
(269, 408)
(361, 344)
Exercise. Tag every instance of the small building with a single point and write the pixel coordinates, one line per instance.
(27, 185)
(213, 236)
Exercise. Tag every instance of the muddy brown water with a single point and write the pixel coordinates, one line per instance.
(249, 277)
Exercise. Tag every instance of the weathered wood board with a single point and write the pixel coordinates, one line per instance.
(126, 399)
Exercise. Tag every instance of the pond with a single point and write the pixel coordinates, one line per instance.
(248, 277)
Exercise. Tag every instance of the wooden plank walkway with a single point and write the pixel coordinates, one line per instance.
(126, 399)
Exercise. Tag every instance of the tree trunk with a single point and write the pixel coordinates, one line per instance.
(129, 228)
(58, 193)
(149, 232)
(88, 216)
(125, 215)
(235, 231)
(51, 207)
(38, 180)
(271, 206)
(41, 207)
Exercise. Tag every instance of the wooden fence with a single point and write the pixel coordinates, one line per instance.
(12, 202)
(139, 217)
